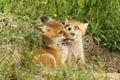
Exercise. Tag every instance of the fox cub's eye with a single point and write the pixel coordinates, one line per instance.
(60, 32)
(48, 30)
(76, 27)
(68, 28)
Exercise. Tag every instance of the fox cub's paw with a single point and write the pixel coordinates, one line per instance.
(81, 62)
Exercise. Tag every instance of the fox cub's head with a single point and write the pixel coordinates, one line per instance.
(76, 30)
(52, 29)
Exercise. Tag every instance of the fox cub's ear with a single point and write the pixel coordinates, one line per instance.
(44, 19)
(66, 20)
(85, 25)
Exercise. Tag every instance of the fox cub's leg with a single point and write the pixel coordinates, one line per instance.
(55, 53)
(68, 60)
(81, 60)
(36, 58)
(46, 59)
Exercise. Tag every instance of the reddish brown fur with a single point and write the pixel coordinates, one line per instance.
(54, 24)
(55, 28)
(41, 54)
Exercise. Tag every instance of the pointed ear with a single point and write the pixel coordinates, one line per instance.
(66, 20)
(50, 19)
(37, 27)
(44, 19)
(40, 28)
(85, 25)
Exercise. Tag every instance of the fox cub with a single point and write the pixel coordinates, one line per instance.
(52, 52)
(74, 41)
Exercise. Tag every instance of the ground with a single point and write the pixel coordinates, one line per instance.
(101, 60)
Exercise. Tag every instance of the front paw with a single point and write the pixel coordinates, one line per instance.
(67, 62)
(81, 62)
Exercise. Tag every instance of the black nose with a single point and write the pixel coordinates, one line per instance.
(72, 34)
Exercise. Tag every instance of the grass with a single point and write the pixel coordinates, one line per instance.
(18, 39)
(103, 16)
(104, 19)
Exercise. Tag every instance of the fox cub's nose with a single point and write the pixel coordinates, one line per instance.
(69, 34)
(73, 34)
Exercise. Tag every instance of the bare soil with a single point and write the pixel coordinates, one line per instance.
(100, 57)
(101, 60)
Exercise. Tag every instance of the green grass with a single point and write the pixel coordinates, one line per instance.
(18, 39)
(103, 16)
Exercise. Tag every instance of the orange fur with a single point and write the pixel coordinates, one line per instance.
(43, 55)
(48, 54)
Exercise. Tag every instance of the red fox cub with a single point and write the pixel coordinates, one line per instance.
(74, 41)
(53, 33)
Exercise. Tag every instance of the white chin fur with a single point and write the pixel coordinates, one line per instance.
(59, 39)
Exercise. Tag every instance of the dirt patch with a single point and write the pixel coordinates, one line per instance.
(99, 58)
(107, 76)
